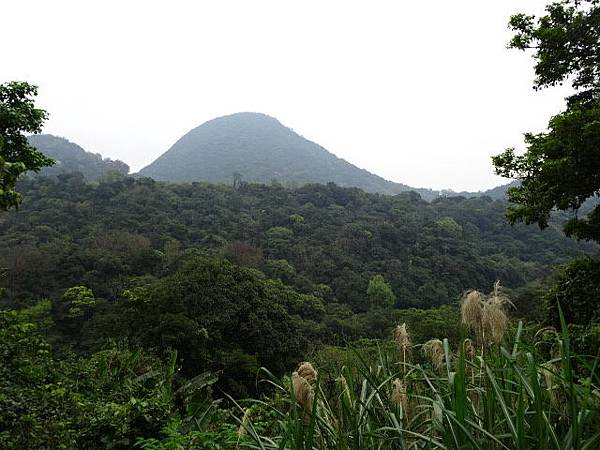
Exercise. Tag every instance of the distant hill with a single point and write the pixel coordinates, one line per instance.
(260, 149)
(496, 193)
(70, 157)
(251, 146)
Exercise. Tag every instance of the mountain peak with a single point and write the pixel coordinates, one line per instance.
(261, 149)
(241, 122)
(249, 116)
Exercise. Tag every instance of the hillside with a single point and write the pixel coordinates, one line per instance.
(70, 157)
(496, 193)
(315, 237)
(256, 147)
(260, 149)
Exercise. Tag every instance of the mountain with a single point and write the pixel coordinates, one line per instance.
(253, 146)
(70, 157)
(260, 149)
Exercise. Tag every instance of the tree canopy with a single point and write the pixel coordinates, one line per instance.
(18, 115)
(380, 293)
(577, 290)
(560, 169)
(69, 232)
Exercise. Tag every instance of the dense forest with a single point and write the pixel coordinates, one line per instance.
(313, 308)
(238, 278)
(319, 239)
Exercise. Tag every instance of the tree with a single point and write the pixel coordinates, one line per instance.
(18, 115)
(76, 306)
(79, 299)
(221, 317)
(380, 293)
(577, 290)
(560, 168)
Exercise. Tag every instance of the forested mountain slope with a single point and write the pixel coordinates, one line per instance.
(259, 148)
(321, 239)
(70, 157)
(243, 147)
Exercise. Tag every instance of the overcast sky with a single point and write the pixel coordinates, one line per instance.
(421, 93)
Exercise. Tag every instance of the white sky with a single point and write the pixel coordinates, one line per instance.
(421, 93)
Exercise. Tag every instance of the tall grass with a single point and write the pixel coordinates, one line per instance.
(512, 397)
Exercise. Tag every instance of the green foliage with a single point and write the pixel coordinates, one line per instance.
(18, 115)
(586, 340)
(513, 398)
(102, 401)
(364, 397)
(565, 40)
(380, 293)
(280, 269)
(79, 299)
(560, 168)
(528, 301)
(426, 324)
(577, 290)
(218, 316)
(161, 292)
(449, 225)
(175, 437)
(296, 218)
(69, 232)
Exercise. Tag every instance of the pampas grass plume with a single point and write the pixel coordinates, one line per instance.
(302, 380)
(469, 349)
(493, 317)
(402, 338)
(307, 371)
(434, 350)
(471, 310)
(399, 396)
(494, 321)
